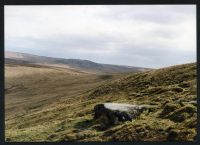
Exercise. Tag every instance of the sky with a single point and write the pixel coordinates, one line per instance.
(153, 36)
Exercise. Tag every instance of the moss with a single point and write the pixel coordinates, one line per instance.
(8, 139)
(191, 122)
(177, 89)
(181, 134)
(69, 137)
(173, 135)
(169, 107)
(50, 137)
(143, 129)
(85, 134)
(182, 113)
(184, 84)
(157, 90)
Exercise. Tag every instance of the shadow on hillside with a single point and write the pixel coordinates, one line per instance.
(84, 124)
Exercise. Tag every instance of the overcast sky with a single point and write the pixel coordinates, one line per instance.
(136, 35)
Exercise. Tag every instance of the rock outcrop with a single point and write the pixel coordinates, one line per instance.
(113, 113)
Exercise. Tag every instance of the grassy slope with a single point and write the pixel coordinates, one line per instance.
(34, 91)
(169, 91)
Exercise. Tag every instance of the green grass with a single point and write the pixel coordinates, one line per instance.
(58, 106)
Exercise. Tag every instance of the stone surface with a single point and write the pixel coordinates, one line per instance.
(113, 113)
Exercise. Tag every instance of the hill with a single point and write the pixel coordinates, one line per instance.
(58, 106)
(78, 64)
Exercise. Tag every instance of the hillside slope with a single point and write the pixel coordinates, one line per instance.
(78, 64)
(170, 91)
(29, 86)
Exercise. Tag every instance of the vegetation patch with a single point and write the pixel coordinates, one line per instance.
(61, 105)
(182, 113)
(169, 108)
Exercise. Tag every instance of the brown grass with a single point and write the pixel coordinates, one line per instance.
(50, 104)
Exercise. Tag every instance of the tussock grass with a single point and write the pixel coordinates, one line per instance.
(58, 106)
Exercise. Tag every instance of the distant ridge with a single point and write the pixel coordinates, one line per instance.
(83, 65)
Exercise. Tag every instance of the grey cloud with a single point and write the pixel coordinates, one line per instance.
(133, 49)
(155, 14)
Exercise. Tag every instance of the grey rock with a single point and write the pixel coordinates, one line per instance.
(113, 113)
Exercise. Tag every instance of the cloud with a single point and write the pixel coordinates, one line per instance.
(137, 35)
